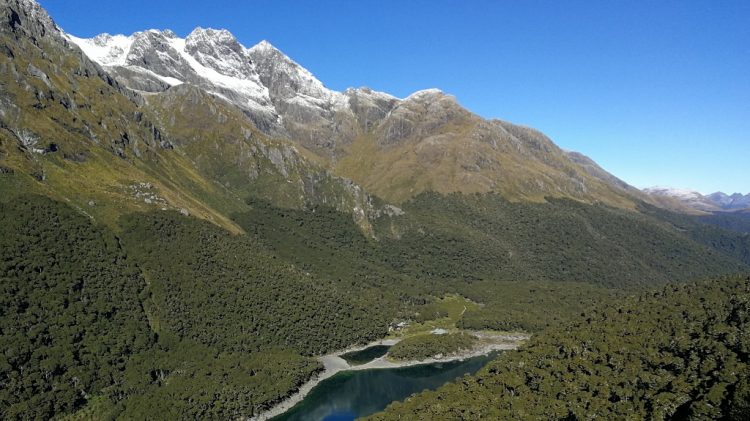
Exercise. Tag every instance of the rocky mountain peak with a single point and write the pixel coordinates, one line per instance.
(718, 201)
(218, 49)
(102, 40)
(153, 50)
(426, 94)
(264, 45)
(285, 78)
(28, 17)
(211, 59)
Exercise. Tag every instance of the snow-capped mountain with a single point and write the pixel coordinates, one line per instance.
(682, 194)
(695, 200)
(278, 94)
(289, 83)
(152, 61)
(395, 148)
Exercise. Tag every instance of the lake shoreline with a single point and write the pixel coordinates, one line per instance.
(334, 364)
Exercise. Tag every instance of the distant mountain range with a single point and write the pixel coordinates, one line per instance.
(718, 201)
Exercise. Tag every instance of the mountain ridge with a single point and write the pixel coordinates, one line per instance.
(71, 131)
(173, 248)
(717, 201)
(405, 142)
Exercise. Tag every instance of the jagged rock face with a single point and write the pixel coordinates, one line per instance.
(210, 59)
(51, 91)
(139, 79)
(153, 51)
(28, 18)
(219, 50)
(321, 119)
(369, 107)
(281, 97)
(286, 79)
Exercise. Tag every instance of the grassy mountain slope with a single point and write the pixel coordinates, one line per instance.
(69, 131)
(428, 142)
(223, 145)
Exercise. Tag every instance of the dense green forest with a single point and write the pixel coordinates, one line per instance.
(738, 221)
(682, 352)
(70, 309)
(175, 316)
(425, 346)
(226, 291)
(529, 306)
(484, 237)
(726, 233)
(446, 242)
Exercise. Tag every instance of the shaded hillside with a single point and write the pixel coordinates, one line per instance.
(732, 221)
(450, 240)
(722, 233)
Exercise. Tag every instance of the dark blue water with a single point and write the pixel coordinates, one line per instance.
(352, 394)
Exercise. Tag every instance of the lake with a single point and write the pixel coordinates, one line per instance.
(352, 394)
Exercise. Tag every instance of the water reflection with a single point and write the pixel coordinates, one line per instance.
(353, 394)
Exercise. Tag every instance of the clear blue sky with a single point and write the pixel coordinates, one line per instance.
(657, 92)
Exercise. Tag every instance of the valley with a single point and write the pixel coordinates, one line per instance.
(194, 229)
(439, 322)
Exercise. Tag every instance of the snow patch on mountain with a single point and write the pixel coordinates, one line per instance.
(247, 86)
(423, 94)
(684, 194)
(105, 49)
(277, 93)
(219, 50)
(211, 59)
(290, 82)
